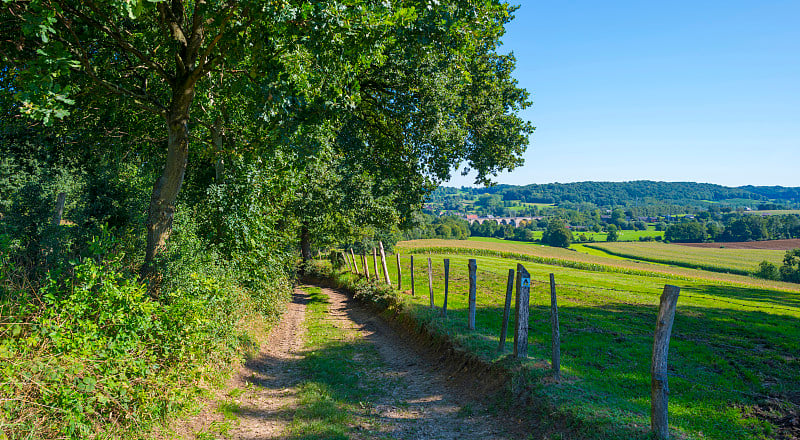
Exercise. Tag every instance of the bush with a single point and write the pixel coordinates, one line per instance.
(92, 351)
(790, 271)
(767, 271)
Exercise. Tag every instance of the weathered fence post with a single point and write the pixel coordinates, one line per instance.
(355, 264)
(430, 279)
(556, 334)
(411, 267)
(346, 261)
(506, 310)
(521, 312)
(60, 200)
(383, 264)
(366, 266)
(375, 263)
(399, 272)
(659, 384)
(473, 287)
(446, 284)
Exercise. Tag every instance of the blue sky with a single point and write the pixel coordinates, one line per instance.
(678, 91)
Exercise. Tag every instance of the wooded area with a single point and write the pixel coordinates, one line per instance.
(201, 147)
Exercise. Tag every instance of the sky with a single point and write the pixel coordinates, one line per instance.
(701, 91)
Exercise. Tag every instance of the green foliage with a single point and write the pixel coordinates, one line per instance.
(790, 271)
(557, 234)
(613, 235)
(688, 232)
(767, 271)
(95, 348)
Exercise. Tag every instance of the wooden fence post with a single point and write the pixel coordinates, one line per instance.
(473, 287)
(506, 311)
(430, 279)
(353, 255)
(375, 263)
(556, 334)
(412, 275)
(399, 273)
(383, 264)
(366, 266)
(60, 200)
(446, 284)
(521, 312)
(345, 260)
(659, 385)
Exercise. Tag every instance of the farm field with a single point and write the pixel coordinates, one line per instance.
(793, 243)
(741, 261)
(597, 236)
(733, 348)
(571, 258)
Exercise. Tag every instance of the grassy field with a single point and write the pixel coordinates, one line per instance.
(733, 345)
(596, 236)
(596, 262)
(742, 261)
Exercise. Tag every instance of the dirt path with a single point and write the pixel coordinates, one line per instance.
(412, 400)
(422, 405)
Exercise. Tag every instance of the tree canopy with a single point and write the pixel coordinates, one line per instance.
(365, 97)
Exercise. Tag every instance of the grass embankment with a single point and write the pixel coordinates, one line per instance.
(737, 261)
(733, 356)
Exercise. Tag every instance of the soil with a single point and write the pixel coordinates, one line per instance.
(782, 245)
(424, 397)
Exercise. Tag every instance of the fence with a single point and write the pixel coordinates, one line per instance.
(518, 286)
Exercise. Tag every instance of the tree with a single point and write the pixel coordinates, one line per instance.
(557, 234)
(688, 232)
(409, 90)
(613, 235)
(790, 271)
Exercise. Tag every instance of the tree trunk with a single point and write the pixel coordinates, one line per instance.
(305, 243)
(218, 138)
(167, 187)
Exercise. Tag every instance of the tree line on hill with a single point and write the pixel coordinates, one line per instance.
(646, 197)
(734, 227)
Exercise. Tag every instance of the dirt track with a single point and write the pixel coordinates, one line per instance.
(419, 401)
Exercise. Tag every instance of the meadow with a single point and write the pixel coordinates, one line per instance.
(596, 261)
(741, 261)
(733, 356)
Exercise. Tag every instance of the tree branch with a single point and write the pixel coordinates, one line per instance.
(116, 35)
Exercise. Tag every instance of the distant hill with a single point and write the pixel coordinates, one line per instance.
(641, 192)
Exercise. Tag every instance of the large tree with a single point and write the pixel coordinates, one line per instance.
(409, 88)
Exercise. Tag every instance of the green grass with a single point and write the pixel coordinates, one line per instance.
(733, 344)
(570, 258)
(741, 261)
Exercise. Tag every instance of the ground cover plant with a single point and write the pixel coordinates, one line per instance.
(739, 261)
(733, 359)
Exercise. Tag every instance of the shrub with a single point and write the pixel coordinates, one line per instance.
(790, 271)
(767, 271)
